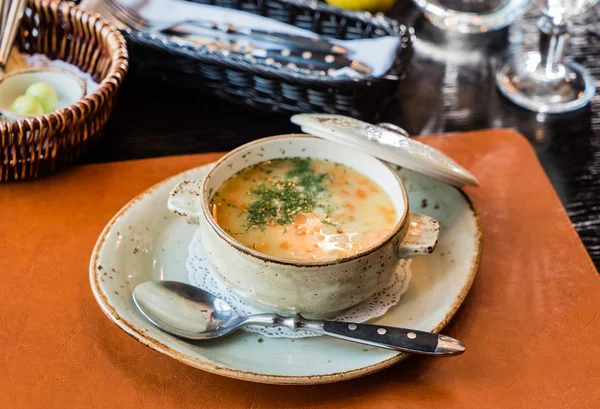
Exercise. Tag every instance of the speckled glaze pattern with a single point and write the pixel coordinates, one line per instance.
(144, 241)
(317, 289)
(314, 291)
(390, 145)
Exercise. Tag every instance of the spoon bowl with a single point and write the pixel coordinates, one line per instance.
(183, 310)
(192, 313)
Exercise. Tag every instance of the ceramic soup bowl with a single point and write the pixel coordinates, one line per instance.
(316, 288)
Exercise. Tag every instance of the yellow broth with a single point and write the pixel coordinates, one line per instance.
(303, 209)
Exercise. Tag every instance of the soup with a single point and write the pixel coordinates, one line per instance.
(303, 209)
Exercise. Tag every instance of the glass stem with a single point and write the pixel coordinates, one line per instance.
(554, 36)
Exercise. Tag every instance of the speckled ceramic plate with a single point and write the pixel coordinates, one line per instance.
(145, 242)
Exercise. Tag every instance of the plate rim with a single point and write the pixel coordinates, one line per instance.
(148, 341)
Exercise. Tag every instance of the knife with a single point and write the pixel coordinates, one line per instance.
(310, 60)
(289, 41)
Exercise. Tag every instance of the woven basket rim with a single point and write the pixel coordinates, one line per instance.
(117, 49)
(390, 26)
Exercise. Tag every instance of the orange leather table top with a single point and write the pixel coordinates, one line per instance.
(531, 322)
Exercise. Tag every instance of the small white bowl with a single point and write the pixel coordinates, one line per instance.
(69, 87)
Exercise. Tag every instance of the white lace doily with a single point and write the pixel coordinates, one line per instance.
(41, 61)
(202, 276)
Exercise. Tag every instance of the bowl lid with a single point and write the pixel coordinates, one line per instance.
(388, 143)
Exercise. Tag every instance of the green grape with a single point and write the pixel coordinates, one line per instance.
(26, 105)
(45, 94)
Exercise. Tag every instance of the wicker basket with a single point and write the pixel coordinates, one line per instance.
(279, 90)
(34, 147)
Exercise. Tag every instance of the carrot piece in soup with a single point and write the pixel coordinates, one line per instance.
(385, 210)
(214, 211)
(373, 188)
(361, 193)
(300, 218)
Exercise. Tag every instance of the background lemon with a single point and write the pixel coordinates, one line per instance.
(366, 5)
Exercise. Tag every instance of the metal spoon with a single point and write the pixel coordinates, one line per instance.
(189, 312)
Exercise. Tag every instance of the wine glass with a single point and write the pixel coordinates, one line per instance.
(542, 81)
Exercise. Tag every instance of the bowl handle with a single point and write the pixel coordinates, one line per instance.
(184, 201)
(421, 236)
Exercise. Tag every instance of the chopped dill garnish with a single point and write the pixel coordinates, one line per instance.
(305, 175)
(278, 202)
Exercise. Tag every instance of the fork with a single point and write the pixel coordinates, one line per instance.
(129, 18)
(133, 19)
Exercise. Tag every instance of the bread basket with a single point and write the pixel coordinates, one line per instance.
(37, 146)
(271, 89)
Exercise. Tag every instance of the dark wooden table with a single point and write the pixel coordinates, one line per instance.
(450, 88)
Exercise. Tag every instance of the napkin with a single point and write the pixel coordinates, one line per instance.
(378, 53)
